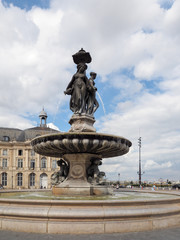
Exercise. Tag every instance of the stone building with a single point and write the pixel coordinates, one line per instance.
(20, 166)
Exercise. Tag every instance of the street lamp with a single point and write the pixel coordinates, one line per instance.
(119, 178)
(139, 172)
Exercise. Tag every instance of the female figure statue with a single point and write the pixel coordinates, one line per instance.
(77, 89)
(92, 103)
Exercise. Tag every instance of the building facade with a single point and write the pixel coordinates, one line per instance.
(20, 166)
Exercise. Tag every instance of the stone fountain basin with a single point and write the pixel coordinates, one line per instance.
(104, 145)
(88, 217)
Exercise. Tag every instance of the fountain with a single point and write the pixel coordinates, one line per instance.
(81, 149)
(81, 203)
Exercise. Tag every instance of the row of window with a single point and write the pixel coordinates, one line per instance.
(19, 179)
(31, 180)
(20, 152)
(32, 163)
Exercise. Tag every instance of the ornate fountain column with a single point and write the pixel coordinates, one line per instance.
(76, 182)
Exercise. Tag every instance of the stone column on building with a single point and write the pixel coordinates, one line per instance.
(26, 159)
(10, 169)
(37, 163)
(26, 167)
(48, 164)
(37, 180)
(14, 167)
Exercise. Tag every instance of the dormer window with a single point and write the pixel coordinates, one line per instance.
(6, 138)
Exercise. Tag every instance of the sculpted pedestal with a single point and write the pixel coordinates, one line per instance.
(82, 123)
(76, 181)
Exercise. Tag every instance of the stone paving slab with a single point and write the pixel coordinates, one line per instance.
(165, 234)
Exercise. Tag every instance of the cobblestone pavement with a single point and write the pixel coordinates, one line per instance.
(165, 234)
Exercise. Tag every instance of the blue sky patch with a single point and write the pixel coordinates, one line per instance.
(147, 30)
(166, 4)
(27, 4)
(153, 85)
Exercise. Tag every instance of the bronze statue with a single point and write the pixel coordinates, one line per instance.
(94, 176)
(92, 103)
(77, 89)
(82, 91)
(61, 175)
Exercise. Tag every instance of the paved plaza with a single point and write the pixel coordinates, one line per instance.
(165, 234)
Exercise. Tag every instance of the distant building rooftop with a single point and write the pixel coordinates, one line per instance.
(15, 134)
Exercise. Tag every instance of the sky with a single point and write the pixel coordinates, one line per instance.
(135, 50)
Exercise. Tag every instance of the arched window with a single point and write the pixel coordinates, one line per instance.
(43, 162)
(4, 179)
(32, 179)
(43, 180)
(19, 179)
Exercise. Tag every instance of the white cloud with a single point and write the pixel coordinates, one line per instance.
(31, 59)
(51, 125)
(157, 119)
(151, 165)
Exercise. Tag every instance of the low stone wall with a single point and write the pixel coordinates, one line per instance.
(83, 217)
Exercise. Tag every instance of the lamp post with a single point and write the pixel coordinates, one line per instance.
(119, 178)
(139, 172)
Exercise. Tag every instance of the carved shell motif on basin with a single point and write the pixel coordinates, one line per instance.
(78, 148)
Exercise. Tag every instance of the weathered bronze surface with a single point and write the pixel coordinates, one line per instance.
(82, 90)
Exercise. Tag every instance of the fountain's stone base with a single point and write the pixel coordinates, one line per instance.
(82, 123)
(76, 191)
(76, 183)
(81, 191)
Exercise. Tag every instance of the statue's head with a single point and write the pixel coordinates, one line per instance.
(93, 74)
(96, 160)
(60, 162)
